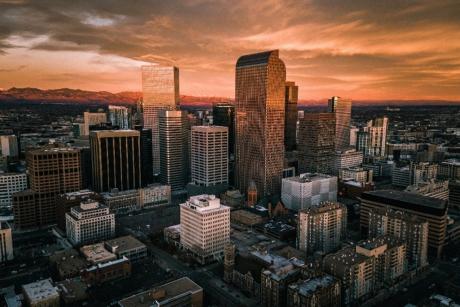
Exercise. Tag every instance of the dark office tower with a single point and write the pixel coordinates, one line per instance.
(316, 142)
(173, 148)
(342, 109)
(259, 107)
(290, 122)
(224, 115)
(86, 168)
(146, 155)
(160, 89)
(52, 171)
(116, 160)
(120, 117)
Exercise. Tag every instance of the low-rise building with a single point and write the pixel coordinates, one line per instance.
(319, 291)
(180, 292)
(107, 271)
(245, 217)
(154, 195)
(128, 247)
(41, 294)
(121, 202)
(357, 174)
(97, 253)
(67, 263)
(433, 188)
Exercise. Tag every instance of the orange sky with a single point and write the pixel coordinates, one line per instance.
(360, 49)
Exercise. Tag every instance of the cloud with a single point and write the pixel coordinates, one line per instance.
(348, 47)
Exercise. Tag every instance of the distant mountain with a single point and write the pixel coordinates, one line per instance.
(66, 95)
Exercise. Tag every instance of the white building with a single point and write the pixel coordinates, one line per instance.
(90, 119)
(9, 146)
(307, 190)
(348, 158)
(357, 174)
(11, 183)
(372, 138)
(41, 293)
(209, 155)
(205, 227)
(6, 242)
(154, 195)
(89, 222)
(322, 228)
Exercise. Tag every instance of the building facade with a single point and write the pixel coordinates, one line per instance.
(9, 146)
(347, 158)
(92, 119)
(290, 121)
(372, 138)
(260, 114)
(120, 117)
(11, 183)
(341, 107)
(6, 243)
(317, 291)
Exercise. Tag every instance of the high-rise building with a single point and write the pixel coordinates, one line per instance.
(342, 109)
(173, 149)
(259, 106)
(6, 242)
(454, 194)
(120, 117)
(406, 227)
(160, 90)
(92, 119)
(308, 190)
(316, 142)
(209, 158)
(90, 222)
(52, 171)
(372, 138)
(9, 146)
(346, 159)
(449, 169)
(224, 115)
(430, 209)
(11, 183)
(353, 136)
(68, 200)
(290, 121)
(116, 158)
(146, 155)
(321, 228)
(205, 227)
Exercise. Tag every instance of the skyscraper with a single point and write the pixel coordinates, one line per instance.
(146, 155)
(9, 146)
(224, 115)
(259, 106)
(316, 143)
(209, 157)
(115, 156)
(290, 122)
(91, 119)
(342, 109)
(372, 138)
(173, 148)
(160, 89)
(120, 117)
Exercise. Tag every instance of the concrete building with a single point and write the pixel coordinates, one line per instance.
(318, 291)
(321, 228)
(9, 146)
(316, 144)
(89, 222)
(430, 209)
(454, 195)
(209, 159)
(116, 160)
(346, 159)
(205, 227)
(432, 188)
(160, 91)
(120, 117)
(260, 115)
(342, 109)
(122, 202)
(290, 118)
(180, 292)
(146, 155)
(127, 246)
(6, 242)
(413, 174)
(449, 169)
(103, 272)
(353, 136)
(308, 190)
(11, 183)
(41, 294)
(92, 119)
(173, 150)
(357, 174)
(68, 200)
(406, 227)
(372, 138)
(154, 195)
(97, 253)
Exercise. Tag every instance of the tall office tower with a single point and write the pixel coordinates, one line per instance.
(430, 209)
(353, 136)
(11, 183)
(52, 171)
(205, 227)
(406, 227)
(290, 121)
(146, 155)
(316, 143)
(90, 222)
(454, 195)
(224, 115)
(259, 106)
(209, 158)
(321, 228)
(346, 159)
(120, 117)
(173, 149)
(308, 190)
(6, 242)
(372, 138)
(160, 89)
(9, 146)
(116, 158)
(342, 109)
(92, 119)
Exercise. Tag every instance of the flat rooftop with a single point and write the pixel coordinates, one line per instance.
(40, 290)
(162, 293)
(97, 253)
(311, 285)
(125, 243)
(308, 177)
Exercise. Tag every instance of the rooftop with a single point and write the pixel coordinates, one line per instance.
(324, 206)
(255, 59)
(97, 253)
(40, 290)
(203, 203)
(308, 177)
(311, 285)
(377, 242)
(122, 244)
